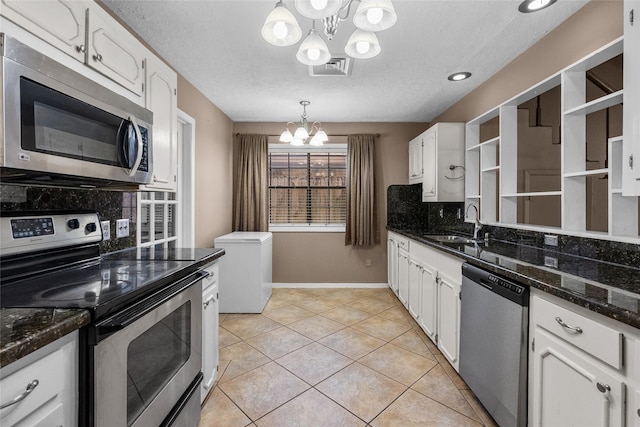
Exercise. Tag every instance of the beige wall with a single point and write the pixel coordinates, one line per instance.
(213, 161)
(323, 257)
(593, 26)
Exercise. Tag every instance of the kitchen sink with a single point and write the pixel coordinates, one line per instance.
(450, 238)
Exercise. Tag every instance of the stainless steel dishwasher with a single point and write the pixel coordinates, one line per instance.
(494, 323)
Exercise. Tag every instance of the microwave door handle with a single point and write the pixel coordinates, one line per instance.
(140, 150)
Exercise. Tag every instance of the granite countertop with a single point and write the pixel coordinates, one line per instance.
(25, 330)
(609, 289)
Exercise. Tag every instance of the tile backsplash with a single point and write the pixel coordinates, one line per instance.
(406, 211)
(110, 205)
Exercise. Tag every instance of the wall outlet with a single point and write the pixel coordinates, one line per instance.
(106, 230)
(550, 261)
(367, 262)
(550, 240)
(122, 228)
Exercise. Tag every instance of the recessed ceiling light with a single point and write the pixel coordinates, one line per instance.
(456, 77)
(528, 6)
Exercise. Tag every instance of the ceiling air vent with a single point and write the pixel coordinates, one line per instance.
(335, 67)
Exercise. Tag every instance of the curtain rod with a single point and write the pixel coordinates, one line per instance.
(377, 135)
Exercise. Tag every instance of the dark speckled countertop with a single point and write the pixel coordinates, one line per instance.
(609, 289)
(24, 330)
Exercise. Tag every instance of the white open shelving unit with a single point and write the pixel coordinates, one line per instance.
(491, 181)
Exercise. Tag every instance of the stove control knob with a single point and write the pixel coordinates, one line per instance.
(90, 227)
(73, 224)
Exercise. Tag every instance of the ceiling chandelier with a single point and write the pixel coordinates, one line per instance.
(304, 131)
(281, 27)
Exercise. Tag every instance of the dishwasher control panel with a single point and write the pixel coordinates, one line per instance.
(519, 289)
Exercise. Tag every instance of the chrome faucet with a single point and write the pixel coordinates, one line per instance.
(477, 226)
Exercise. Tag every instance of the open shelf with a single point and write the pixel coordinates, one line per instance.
(492, 169)
(587, 173)
(534, 194)
(597, 104)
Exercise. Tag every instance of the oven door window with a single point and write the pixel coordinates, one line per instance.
(57, 124)
(154, 357)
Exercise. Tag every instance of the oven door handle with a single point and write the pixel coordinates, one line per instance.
(130, 315)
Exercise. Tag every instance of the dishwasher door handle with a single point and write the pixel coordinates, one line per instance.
(573, 329)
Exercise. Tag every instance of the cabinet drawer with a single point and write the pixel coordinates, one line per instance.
(50, 375)
(212, 278)
(589, 335)
(403, 242)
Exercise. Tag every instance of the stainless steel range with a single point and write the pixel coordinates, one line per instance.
(141, 355)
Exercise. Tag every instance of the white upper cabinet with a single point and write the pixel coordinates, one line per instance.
(443, 163)
(631, 149)
(161, 99)
(61, 23)
(415, 160)
(114, 52)
(85, 32)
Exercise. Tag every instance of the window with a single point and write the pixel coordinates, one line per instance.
(157, 219)
(307, 187)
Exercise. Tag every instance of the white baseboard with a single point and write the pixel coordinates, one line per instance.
(330, 285)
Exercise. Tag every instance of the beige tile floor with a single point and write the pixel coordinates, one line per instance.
(334, 357)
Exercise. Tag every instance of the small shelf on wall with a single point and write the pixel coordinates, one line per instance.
(534, 194)
(473, 196)
(587, 173)
(491, 169)
(597, 104)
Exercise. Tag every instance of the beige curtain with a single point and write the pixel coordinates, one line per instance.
(362, 213)
(250, 208)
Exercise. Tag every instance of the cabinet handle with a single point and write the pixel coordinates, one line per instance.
(572, 329)
(32, 385)
(97, 57)
(603, 388)
(208, 301)
(80, 48)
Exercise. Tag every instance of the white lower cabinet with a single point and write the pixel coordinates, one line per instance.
(571, 389)
(428, 319)
(431, 294)
(449, 315)
(210, 310)
(584, 369)
(403, 277)
(51, 373)
(392, 262)
(415, 285)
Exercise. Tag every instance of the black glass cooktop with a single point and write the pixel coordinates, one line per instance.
(101, 286)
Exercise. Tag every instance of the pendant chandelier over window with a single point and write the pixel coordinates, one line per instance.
(281, 27)
(303, 131)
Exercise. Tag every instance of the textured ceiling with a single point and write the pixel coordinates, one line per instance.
(217, 46)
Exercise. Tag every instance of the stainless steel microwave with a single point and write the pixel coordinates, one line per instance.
(61, 128)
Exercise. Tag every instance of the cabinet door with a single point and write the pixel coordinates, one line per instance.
(448, 318)
(209, 338)
(115, 52)
(429, 302)
(429, 163)
(403, 277)
(631, 112)
(569, 390)
(392, 264)
(161, 99)
(58, 22)
(634, 411)
(415, 161)
(414, 297)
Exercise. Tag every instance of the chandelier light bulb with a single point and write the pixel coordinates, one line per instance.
(362, 47)
(374, 15)
(319, 4)
(280, 30)
(313, 54)
(297, 141)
